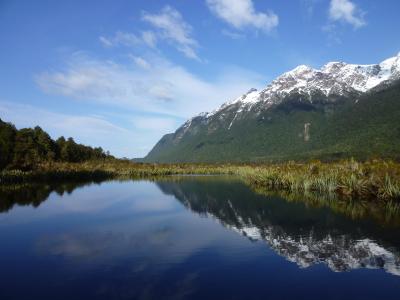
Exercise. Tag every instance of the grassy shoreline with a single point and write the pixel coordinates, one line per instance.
(109, 170)
(371, 180)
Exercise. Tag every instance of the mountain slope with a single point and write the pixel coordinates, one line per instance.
(339, 111)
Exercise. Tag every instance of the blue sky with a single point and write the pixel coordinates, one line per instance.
(121, 73)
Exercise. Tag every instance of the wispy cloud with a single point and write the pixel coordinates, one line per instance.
(106, 41)
(140, 61)
(149, 38)
(154, 94)
(121, 38)
(347, 12)
(309, 6)
(241, 14)
(84, 128)
(168, 25)
(153, 85)
(171, 26)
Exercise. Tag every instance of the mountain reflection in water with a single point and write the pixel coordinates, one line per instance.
(301, 234)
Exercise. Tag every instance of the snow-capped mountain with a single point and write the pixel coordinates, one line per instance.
(332, 80)
(304, 112)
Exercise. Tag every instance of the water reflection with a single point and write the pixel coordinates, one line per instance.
(306, 233)
(119, 240)
(34, 194)
(302, 234)
(190, 237)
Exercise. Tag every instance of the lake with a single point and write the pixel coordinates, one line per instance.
(193, 237)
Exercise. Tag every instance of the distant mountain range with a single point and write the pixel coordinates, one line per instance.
(338, 111)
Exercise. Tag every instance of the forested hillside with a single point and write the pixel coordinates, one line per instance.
(26, 148)
(361, 127)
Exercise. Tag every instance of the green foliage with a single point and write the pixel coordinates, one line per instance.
(31, 147)
(27, 148)
(389, 189)
(7, 141)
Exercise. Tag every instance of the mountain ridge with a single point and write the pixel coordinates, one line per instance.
(299, 78)
(302, 91)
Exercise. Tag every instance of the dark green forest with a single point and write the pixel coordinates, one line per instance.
(26, 148)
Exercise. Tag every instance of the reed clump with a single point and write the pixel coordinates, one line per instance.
(375, 179)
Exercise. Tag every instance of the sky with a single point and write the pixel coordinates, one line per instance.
(122, 73)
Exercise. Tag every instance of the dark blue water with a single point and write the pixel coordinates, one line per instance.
(190, 238)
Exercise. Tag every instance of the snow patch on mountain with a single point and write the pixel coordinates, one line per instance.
(333, 79)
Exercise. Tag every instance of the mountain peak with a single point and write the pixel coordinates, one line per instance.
(334, 78)
(302, 69)
(332, 66)
(299, 71)
(391, 64)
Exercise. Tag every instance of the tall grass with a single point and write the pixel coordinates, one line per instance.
(376, 180)
(373, 180)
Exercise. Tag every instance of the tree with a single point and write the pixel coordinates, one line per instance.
(61, 153)
(27, 148)
(46, 146)
(7, 140)
(26, 152)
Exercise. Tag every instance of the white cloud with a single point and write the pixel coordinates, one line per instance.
(168, 25)
(163, 87)
(150, 95)
(173, 28)
(241, 14)
(346, 11)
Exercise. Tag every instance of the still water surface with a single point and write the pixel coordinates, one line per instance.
(187, 238)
